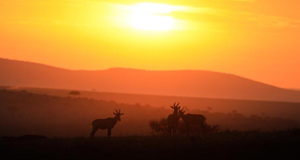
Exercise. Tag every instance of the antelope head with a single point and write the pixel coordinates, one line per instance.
(118, 114)
(176, 107)
(181, 112)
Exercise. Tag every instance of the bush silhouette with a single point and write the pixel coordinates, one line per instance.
(160, 127)
(74, 93)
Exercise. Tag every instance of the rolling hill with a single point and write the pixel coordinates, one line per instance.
(184, 83)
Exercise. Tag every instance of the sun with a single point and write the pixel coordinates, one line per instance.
(146, 16)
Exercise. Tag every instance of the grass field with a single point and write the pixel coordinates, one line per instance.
(24, 113)
(66, 122)
(286, 110)
(222, 145)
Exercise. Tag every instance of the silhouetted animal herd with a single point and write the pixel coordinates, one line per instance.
(173, 119)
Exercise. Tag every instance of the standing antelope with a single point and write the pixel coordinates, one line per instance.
(192, 119)
(107, 123)
(173, 119)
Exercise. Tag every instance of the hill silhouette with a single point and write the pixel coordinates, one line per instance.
(186, 83)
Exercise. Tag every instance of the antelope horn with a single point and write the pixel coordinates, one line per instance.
(182, 109)
(116, 110)
(177, 104)
(119, 111)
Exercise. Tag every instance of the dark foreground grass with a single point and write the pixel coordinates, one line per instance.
(222, 145)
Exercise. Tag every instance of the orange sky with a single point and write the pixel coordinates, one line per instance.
(256, 39)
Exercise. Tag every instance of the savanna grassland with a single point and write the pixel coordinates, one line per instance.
(23, 112)
(40, 126)
(280, 109)
(222, 145)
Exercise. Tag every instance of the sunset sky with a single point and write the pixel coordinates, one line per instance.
(256, 39)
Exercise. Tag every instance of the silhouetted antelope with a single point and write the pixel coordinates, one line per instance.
(107, 123)
(173, 119)
(192, 119)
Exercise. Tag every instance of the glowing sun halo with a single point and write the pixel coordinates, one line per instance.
(146, 17)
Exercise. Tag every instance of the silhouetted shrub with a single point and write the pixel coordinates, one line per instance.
(74, 93)
(211, 129)
(23, 91)
(161, 128)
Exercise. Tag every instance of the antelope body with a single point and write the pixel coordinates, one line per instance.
(192, 119)
(107, 123)
(173, 119)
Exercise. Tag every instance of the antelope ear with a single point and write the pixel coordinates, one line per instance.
(114, 113)
(172, 107)
(121, 114)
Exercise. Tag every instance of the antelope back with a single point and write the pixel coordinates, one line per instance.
(195, 118)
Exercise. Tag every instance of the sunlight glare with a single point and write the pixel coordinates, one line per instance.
(145, 17)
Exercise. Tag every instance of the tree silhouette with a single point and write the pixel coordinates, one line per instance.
(74, 93)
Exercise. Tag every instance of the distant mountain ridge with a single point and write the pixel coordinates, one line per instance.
(186, 83)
